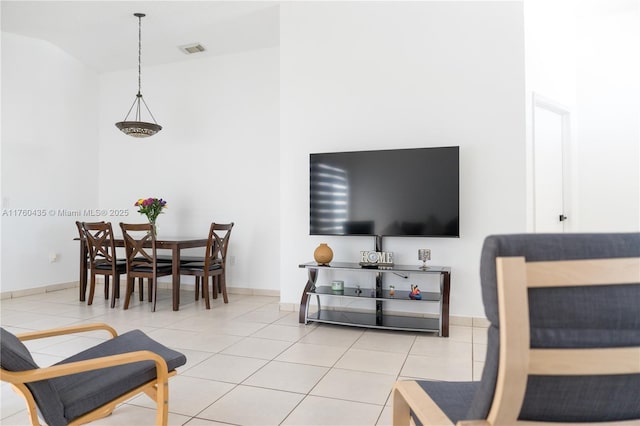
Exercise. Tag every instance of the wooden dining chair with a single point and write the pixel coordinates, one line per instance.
(213, 265)
(142, 259)
(102, 258)
(84, 262)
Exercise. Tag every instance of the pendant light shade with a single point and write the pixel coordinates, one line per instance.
(136, 127)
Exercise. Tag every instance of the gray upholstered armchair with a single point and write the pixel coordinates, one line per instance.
(89, 385)
(564, 338)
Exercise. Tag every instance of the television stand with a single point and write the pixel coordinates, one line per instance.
(377, 318)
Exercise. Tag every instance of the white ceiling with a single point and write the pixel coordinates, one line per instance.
(104, 34)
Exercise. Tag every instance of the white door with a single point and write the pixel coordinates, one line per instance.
(550, 174)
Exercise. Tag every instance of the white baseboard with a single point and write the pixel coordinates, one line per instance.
(162, 285)
(253, 291)
(38, 290)
(231, 290)
(289, 307)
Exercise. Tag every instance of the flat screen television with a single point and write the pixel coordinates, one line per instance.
(397, 192)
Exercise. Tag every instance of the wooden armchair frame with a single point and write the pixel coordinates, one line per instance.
(517, 360)
(157, 389)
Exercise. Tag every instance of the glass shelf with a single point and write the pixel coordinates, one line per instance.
(352, 266)
(388, 322)
(366, 294)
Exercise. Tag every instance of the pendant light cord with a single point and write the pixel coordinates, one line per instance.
(140, 16)
(139, 55)
(139, 97)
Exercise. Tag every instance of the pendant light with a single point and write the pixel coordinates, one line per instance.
(138, 128)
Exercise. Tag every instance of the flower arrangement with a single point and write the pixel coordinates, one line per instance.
(151, 207)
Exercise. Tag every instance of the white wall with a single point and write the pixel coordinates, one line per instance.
(608, 110)
(216, 158)
(550, 62)
(551, 49)
(378, 75)
(49, 130)
(584, 55)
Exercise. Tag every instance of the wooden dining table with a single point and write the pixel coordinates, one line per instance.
(175, 244)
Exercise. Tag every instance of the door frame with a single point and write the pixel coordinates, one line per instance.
(540, 101)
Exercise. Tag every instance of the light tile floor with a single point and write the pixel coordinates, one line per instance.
(248, 362)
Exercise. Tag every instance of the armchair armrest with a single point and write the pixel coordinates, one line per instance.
(408, 396)
(44, 373)
(66, 330)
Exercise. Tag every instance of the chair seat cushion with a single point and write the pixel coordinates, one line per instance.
(454, 398)
(183, 259)
(121, 266)
(199, 266)
(161, 267)
(83, 392)
(144, 259)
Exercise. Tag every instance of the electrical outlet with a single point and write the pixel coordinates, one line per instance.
(53, 257)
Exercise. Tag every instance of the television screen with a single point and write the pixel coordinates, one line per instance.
(398, 192)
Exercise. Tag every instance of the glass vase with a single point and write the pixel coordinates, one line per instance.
(155, 226)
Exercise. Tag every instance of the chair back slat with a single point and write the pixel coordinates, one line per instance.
(583, 272)
(137, 239)
(218, 244)
(80, 231)
(100, 242)
(591, 361)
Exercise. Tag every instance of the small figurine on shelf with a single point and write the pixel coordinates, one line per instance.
(392, 290)
(415, 293)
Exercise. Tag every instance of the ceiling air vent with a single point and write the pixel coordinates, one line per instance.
(192, 48)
